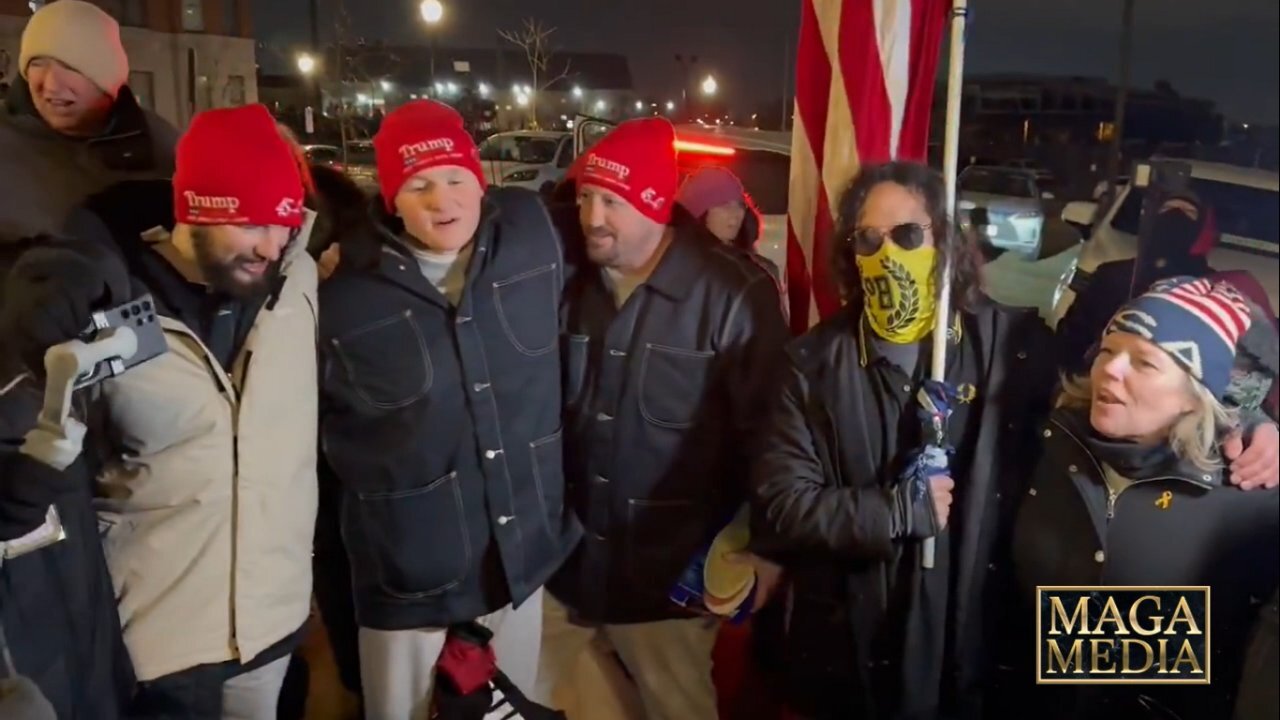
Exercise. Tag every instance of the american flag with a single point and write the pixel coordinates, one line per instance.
(865, 78)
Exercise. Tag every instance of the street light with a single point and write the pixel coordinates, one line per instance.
(432, 13)
(671, 105)
(386, 86)
(710, 86)
(639, 106)
(577, 91)
(600, 106)
(306, 64)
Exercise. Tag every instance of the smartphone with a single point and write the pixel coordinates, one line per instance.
(139, 315)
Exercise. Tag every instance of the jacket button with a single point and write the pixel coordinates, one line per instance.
(480, 387)
(1073, 468)
(504, 519)
(1048, 433)
(491, 454)
(906, 388)
(1100, 556)
(1022, 355)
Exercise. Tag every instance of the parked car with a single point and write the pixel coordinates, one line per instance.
(1007, 203)
(1044, 176)
(359, 164)
(1246, 207)
(527, 158)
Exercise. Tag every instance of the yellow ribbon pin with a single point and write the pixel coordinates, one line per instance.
(1165, 500)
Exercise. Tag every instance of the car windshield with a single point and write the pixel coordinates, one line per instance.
(1239, 210)
(996, 182)
(524, 149)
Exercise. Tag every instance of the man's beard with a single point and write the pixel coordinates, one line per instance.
(221, 274)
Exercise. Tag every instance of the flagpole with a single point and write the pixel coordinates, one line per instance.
(950, 157)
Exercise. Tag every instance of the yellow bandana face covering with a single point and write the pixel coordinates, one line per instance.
(898, 292)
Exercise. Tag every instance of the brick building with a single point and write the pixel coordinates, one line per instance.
(184, 55)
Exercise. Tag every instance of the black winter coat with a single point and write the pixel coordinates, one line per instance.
(57, 605)
(1069, 532)
(821, 508)
(664, 401)
(443, 423)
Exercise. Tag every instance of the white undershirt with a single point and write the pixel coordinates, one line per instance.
(446, 271)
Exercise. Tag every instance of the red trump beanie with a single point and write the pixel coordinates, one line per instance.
(418, 135)
(637, 160)
(233, 168)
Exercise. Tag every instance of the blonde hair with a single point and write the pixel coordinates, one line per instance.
(1193, 438)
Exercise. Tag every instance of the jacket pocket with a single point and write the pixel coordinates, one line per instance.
(387, 362)
(528, 309)
(548, 478)
(661, 538)
(418, 539)
(672, 382)
(577, 350)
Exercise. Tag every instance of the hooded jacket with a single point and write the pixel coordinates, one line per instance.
(208, 479)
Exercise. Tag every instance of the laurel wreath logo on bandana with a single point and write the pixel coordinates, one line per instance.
(898, 292)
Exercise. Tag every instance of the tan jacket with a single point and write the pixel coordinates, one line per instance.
(210, 500)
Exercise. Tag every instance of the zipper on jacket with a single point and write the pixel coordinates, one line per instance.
(1114, 495)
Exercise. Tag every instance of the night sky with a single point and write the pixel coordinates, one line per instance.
(1225, 50)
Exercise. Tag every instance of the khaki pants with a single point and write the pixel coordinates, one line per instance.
(254, 695)
(669, 663)
(398, 667)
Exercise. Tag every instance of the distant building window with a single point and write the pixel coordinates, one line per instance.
(193, 15)
(235, 93)
(143, 85)
(231, 18)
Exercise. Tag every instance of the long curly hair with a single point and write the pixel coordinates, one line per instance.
(952, 243)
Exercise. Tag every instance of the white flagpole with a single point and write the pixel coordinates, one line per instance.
(950, 157)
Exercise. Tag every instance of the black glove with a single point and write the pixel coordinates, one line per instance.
(914, 518)
(27, 488)
(52, 291)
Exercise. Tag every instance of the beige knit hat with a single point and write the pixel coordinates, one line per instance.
(81, 36)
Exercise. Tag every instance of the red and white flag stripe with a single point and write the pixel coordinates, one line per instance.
(865, 76)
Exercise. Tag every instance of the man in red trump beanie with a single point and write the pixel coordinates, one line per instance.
(443, 409)
(674, 340)
(207, 481)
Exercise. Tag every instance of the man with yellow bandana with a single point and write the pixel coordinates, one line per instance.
(870, 633)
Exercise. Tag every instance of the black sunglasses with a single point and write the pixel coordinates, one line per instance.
(867, 241)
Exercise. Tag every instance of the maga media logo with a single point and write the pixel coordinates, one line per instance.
(1122, 635)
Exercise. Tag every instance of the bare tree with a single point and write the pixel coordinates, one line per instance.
(534, 38)
(358, 64)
